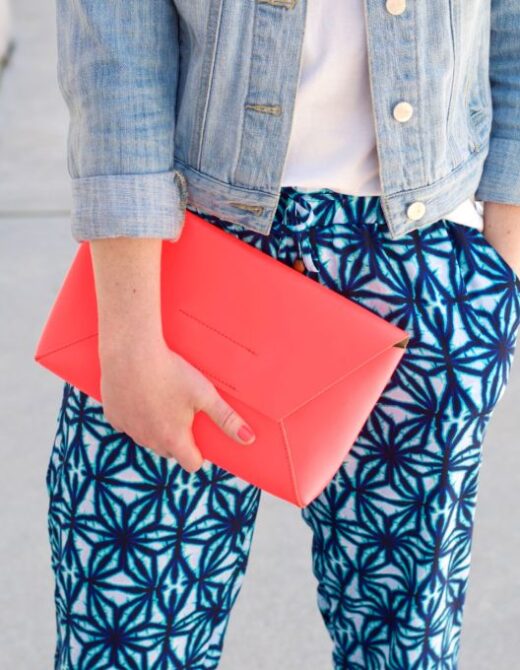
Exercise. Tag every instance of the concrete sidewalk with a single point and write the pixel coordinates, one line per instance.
(275, 622)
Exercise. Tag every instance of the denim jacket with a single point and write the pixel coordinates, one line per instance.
(176, 102)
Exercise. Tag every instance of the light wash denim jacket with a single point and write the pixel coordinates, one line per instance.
(190, 101)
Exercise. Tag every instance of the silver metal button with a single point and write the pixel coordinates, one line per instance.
(395, 7)
(403, 111)
(416, 210)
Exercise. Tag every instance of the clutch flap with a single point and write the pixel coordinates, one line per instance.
(73, 315)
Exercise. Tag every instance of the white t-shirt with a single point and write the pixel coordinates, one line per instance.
(332, 142)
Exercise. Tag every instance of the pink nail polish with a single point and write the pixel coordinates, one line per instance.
(245, 433)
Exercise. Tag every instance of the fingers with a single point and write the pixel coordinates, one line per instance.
(179, 446)
(227, 418)
(177, 441)
(185, 451)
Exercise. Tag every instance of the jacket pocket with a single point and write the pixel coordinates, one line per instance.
(479, 127)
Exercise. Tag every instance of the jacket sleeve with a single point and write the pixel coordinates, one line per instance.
(117, 71)
(500, 181)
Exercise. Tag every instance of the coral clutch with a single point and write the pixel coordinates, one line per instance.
(300, 362)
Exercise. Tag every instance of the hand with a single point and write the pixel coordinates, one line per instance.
(502, 231)
(151, 393)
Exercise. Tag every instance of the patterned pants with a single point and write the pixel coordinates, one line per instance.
(149, 559)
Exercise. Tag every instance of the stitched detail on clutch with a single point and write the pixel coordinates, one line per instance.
(219, 332)
(66, 346)
(218, 379)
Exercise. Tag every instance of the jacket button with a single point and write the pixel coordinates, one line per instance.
(395, 7)
(403, 111)
(299, 265)
(416, 210)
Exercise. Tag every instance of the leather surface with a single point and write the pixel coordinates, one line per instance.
(256, 328)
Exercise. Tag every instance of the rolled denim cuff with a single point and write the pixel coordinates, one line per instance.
(129, 205)
(500, 181)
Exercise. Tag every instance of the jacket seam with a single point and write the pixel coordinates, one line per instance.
(418, 79)
(177, 77)
(449, 114)
(64, 346)
(243, 112)
(209, 80)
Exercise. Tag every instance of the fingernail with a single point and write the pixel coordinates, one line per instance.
(245, 433)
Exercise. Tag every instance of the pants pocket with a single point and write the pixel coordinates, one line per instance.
(484, 270)
(489, 313)
(482, 257)
(497, 258)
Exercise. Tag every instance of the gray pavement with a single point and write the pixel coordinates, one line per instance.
(275, 622)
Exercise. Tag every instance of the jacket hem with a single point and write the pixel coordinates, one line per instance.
(439, 198)
(255, 209)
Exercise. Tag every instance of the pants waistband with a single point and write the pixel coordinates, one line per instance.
(300, 208)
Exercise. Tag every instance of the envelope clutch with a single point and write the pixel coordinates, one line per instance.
(301, 363)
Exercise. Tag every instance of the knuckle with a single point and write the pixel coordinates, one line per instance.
(116, 422)
(159, 451)
(142, 437)
(159, 448)
(192, 465)
(169, 442)
(165, 433)
(116, 425)
(208, 395)
(227, 414)
(109, 417)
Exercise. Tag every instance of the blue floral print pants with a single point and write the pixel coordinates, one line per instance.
(149, 559)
